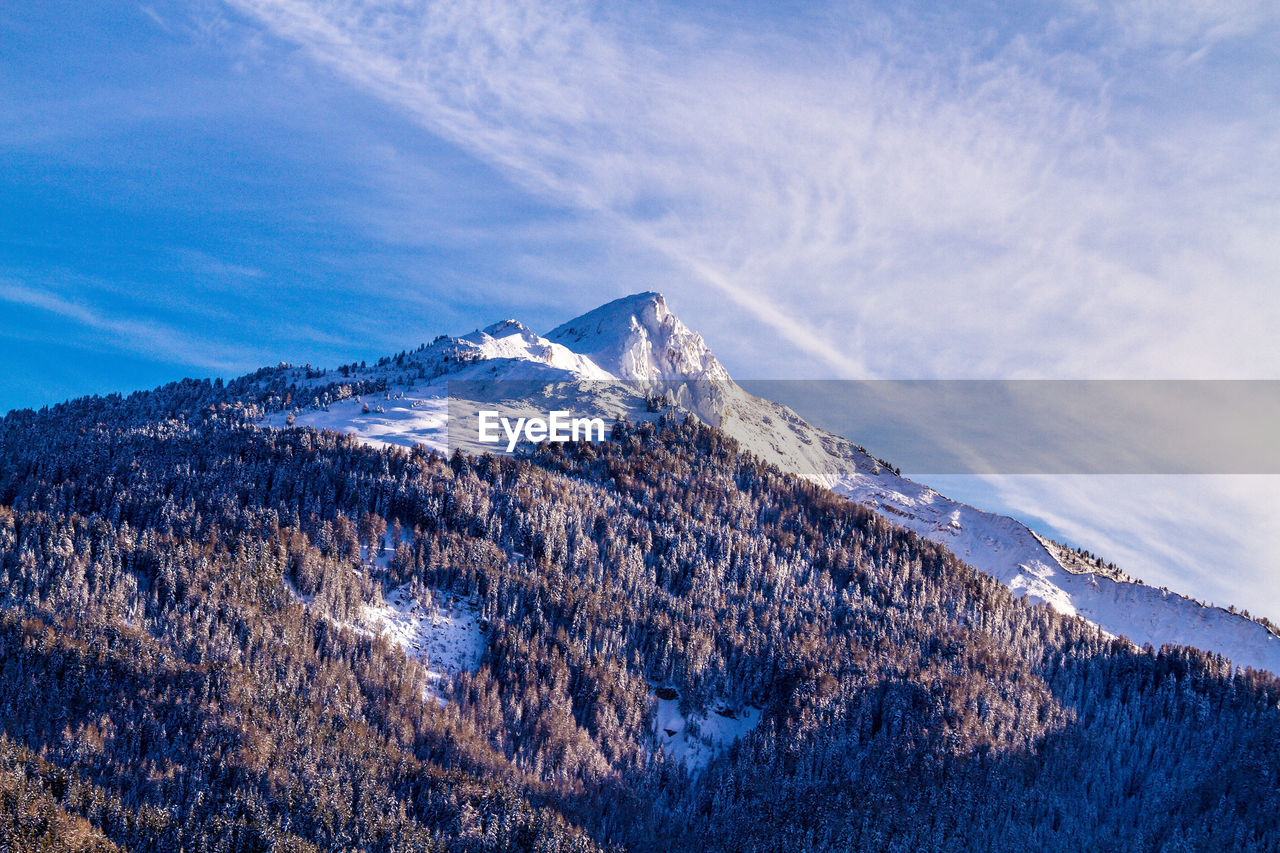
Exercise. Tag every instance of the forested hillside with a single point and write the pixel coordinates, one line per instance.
(186, 662)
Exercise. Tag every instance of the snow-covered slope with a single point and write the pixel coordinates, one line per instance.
(511, 339)
(639, 344)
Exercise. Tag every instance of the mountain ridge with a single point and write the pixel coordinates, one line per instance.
(638, 339)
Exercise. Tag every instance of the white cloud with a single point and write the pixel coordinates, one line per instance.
(1183, 23)
(953, 217)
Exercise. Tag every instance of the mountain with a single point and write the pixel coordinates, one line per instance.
(222, 631)
(639, 341)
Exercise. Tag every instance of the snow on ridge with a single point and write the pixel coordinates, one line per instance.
(511, 339)
(1009, 551)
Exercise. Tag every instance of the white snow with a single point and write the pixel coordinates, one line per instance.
(696, 740)
(443, 632)
(638, 339)
(511, 339)
(414, 418)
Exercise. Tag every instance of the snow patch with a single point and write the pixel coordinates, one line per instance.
(407, 419)
(443, 632)
(696, 739)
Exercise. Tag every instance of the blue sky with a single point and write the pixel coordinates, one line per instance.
(173, 206)
(1072, 190)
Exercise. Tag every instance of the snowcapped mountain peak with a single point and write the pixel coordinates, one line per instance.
(507, 327)
(505, 330)
(638, 338)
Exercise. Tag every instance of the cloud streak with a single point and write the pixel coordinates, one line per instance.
(967, 214)
(124, 334)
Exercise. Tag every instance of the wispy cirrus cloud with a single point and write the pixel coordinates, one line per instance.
(1198, 24)
(992, 206)
(127, 334)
